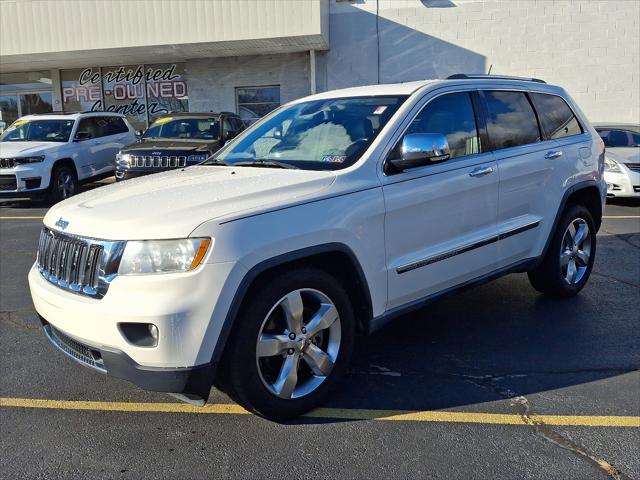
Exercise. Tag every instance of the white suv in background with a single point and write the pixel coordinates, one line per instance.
(327, 218)
(51, 153)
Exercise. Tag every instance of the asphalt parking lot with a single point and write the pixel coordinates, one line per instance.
(497, 382)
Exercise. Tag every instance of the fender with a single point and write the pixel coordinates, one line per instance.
(276, 261)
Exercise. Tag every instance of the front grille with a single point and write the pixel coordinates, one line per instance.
(83, 354)
(157, 161)
(633, 166)
(7, 162)
(8, 182)
(81, 265)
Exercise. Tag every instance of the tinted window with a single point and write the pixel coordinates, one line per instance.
(619, 138)
(451, 115)
(556, 117)
(90, 125)
(511, 120)
(115, 125)
(204, 128)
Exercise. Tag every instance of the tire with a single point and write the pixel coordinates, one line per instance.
(259, 382)
(63, 184)
(566, 267)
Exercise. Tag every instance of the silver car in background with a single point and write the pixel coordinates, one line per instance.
(622, 160)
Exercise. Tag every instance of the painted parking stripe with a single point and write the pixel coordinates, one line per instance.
(335, 413)
(21, 218)
(607, 217)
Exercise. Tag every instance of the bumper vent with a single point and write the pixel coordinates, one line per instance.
(8, 182)
(77, 351)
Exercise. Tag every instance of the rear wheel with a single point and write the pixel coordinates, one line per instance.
(290, 344)
(567, 265)
(63, 183)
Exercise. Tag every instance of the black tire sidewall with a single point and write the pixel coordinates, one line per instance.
(242, 370)
(54, 194)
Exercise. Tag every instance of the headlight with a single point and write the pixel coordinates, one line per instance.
(201, 157)
(123, 158)
(611, 165)
(21, 160)
(163, 256)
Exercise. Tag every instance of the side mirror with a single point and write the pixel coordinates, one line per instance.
(80, 136)
(229, 134)
(139, 134)
(418, 149)
(277, 133)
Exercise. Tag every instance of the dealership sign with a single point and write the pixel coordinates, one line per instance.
(142, 92)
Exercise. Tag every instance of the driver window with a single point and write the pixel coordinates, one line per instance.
(451, 115)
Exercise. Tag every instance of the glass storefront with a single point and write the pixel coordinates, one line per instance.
(23, 94)
(141, 92)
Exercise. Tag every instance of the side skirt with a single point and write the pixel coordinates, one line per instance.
(380, 321)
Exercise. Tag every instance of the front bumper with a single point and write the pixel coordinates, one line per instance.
(127, 173)
(193, 380)
(623, 184)
(24, 180)
(189, 310)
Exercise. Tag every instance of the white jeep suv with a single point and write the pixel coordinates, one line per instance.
(328, 218)
(49, 154)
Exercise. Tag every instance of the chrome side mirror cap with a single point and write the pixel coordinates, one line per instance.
(418, 149)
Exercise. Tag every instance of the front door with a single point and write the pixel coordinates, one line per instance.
(440, 223)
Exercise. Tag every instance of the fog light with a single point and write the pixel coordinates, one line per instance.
(153, 331)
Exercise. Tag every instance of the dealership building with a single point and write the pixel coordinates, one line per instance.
(146, 58)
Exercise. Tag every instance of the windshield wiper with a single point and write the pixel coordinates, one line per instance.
(265, 163)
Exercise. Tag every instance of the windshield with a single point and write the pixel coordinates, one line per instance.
(619, 138)
(316, 135)
(206, 128)
(38, 131)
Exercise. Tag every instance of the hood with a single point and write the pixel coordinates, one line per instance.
(624, 154)
(172, 204)
(21, 149)
(170, 146)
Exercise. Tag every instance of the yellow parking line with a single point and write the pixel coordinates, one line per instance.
(335, 413)
(21, 218)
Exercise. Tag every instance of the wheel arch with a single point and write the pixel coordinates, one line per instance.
(67, 162)
(583, 193)
(335, 258)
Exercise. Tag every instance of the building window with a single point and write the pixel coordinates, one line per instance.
(256, 102)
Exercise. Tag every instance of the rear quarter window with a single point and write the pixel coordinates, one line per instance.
(511, 120)
(556, 118)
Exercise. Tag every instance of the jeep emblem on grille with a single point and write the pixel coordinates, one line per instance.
(62, 223)
(156, 153)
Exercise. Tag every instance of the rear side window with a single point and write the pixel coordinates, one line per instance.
(511, 120)
(451, 115)
(619, 138)
(556, 117)
(114, 126)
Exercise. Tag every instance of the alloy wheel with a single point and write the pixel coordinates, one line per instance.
(298, 343)
(575, 251)
(66, 187)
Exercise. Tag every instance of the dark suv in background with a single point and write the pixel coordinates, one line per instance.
(176, 141)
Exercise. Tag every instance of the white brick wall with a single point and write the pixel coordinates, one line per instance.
(590, 47)
(212, 82)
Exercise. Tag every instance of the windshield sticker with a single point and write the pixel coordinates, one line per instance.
(18, 123)
(380, 110)
(160, 121)
(333, 158)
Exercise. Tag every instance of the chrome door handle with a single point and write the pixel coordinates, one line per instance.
(481, 172)
(553, 154)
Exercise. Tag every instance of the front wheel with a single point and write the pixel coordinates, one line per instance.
(290, 344)
(567, 265)
(63, 184)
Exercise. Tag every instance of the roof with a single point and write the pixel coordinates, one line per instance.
(71, 115)
(192, 114)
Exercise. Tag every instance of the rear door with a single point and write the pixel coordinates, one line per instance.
(532, 167)
(440, 220)
(90, 152)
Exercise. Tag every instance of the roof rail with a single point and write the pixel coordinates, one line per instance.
(55, 112)
(460, 76)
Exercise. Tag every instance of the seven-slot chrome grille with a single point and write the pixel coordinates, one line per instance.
(157, 161)
(78, 264)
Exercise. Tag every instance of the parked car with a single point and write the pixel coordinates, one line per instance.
(622, 159)
(329, 217)
(49, 154)
(177, 141)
